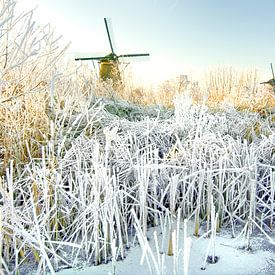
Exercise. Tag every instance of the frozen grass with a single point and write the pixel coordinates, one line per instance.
(32, 67)
(82, 175)
(76, 202)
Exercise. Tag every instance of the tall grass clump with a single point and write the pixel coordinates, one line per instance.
(242, 89)
(28, 56)
(76, 202)
(37, 82)
(220, 86)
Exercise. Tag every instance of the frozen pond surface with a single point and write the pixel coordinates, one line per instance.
(233, 257)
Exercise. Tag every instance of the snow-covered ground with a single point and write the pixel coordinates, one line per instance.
(233, 257)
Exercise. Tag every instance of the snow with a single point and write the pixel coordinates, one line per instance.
(233, 258)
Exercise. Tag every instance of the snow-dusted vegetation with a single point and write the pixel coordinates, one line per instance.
(77, 200)
(83, 175)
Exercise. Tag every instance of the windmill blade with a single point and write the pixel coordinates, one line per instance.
(109, 36)
(89, 58)
(134, 55)
(272, 70)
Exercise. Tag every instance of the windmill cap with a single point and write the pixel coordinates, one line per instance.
(270, 82)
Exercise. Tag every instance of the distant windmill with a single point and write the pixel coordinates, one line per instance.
(271, 81)
(109, 64)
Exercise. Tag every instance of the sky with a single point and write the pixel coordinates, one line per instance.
(182, 36)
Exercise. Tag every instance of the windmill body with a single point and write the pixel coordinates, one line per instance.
(109, 70)
(109, 64)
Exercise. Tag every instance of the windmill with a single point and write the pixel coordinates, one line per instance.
(109, 64)
(271, 81)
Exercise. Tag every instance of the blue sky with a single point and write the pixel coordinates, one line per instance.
(182, 36)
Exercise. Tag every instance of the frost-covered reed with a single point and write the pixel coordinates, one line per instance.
(76, 202)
